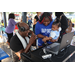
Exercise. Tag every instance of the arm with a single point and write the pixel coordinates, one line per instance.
(31, 41)
(41, 36)
(34, 21)
(21, 51)
(17, 23)
(53, 40)
(46, 39)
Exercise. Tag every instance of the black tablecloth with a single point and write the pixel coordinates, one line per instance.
(36, 55)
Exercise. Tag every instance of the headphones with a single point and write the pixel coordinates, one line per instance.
(22, 29)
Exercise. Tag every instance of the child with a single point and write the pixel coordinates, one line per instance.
(2, 24)
(55, 31)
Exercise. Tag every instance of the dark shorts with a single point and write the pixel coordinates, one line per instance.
(9, 36)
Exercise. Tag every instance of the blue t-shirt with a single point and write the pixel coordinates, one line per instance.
(57, 33)
(43, 30)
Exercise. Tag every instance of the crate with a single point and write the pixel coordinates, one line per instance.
(3, 54)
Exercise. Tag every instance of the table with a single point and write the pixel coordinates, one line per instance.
(36, 56)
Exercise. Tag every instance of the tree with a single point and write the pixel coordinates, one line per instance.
(70, 13)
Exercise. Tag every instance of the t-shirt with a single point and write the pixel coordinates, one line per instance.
(54, 34)
(2, 24)
(36, 17)
(44, 30)
(15, 44)
(11, 26)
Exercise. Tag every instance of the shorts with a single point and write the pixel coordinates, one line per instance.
(2, 29)
(9, 36)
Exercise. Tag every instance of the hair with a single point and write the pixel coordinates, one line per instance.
(1, 20)
(72, 24)
(57, 22)
(11, 15)
(58, 14)
(43, 16)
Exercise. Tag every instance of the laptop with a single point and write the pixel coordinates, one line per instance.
(56, 47)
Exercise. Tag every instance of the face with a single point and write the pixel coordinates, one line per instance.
(38, 13)
(55, 27)
(46, 21)
(25, 33)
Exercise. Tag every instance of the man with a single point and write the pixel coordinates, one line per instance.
(20, 42)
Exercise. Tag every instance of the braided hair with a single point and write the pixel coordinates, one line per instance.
(45, 15)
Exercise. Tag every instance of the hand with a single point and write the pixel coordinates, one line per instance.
(53, 40)
(32, 39)
(32, 32)
(45, 39)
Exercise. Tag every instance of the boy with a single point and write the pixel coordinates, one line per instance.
(55, 31)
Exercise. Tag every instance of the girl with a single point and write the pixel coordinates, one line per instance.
(43, 28)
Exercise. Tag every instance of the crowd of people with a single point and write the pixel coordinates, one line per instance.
(47, 30)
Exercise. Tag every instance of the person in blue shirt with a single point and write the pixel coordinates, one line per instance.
(55, 31)
(43, 28)
(30, 22)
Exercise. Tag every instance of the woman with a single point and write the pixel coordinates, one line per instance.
(11, 26)
(43, 28)
(64, 23)
(36, 19)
